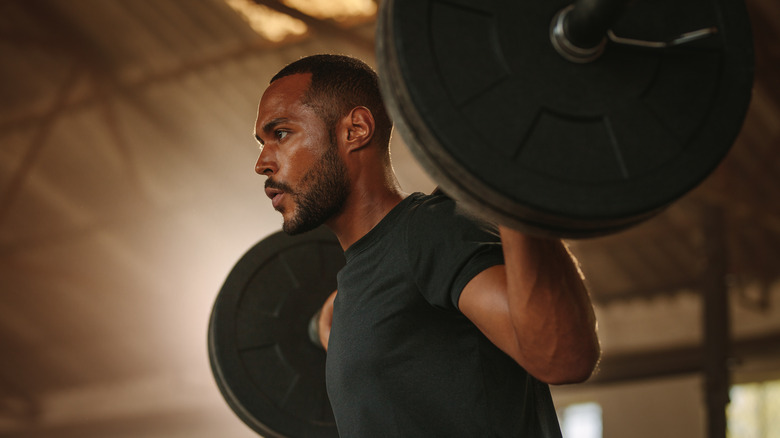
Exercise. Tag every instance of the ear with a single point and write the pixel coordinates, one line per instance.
(357, 128)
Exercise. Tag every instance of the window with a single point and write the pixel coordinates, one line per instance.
(754, 411)
(582, 420)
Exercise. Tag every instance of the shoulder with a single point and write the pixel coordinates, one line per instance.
(438, 213)
(446, 247)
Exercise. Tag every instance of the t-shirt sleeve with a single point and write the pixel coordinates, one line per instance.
(447, 247)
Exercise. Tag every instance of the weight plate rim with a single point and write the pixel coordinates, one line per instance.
(227, 394)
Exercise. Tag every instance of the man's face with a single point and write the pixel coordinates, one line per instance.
(307, 179)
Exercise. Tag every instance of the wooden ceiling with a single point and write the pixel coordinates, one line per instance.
(127, 193)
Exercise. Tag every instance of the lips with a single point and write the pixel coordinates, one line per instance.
(275, 195)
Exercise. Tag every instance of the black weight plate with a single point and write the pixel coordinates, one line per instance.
(269, 372)
(506, 125)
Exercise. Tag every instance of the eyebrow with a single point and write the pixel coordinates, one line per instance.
(268, 127)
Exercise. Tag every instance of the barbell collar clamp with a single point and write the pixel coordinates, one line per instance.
(565, 47)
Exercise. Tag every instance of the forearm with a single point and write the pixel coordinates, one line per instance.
(550, 309)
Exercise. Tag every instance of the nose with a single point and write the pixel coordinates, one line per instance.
(265, 164)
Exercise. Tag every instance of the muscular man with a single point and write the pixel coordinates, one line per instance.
(443, 325)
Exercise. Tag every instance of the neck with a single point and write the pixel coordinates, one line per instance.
(373, 195)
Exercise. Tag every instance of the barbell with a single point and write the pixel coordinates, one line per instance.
(572, 120)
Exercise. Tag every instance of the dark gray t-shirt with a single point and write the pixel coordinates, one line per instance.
(402, 360)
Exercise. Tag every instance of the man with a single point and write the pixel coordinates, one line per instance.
(441, 327)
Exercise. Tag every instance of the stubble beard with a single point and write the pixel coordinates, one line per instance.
(322, 193)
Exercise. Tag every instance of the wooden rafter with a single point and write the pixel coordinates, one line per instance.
(653, 364)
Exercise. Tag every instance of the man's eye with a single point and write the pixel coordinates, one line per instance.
(280, 134)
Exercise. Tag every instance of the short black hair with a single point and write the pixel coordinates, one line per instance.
(338, 84)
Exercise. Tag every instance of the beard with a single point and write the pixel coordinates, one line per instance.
(321, 194)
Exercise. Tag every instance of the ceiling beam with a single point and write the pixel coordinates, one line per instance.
(630, 367)
(19, 176)
(77, 47)
(646, 293)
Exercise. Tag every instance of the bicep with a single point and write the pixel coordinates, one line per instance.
(484, 302)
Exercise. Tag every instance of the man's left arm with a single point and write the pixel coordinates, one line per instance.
(536, 308)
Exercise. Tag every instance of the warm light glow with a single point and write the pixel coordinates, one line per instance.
(339, 10)
(270, 24)
(277, 27)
